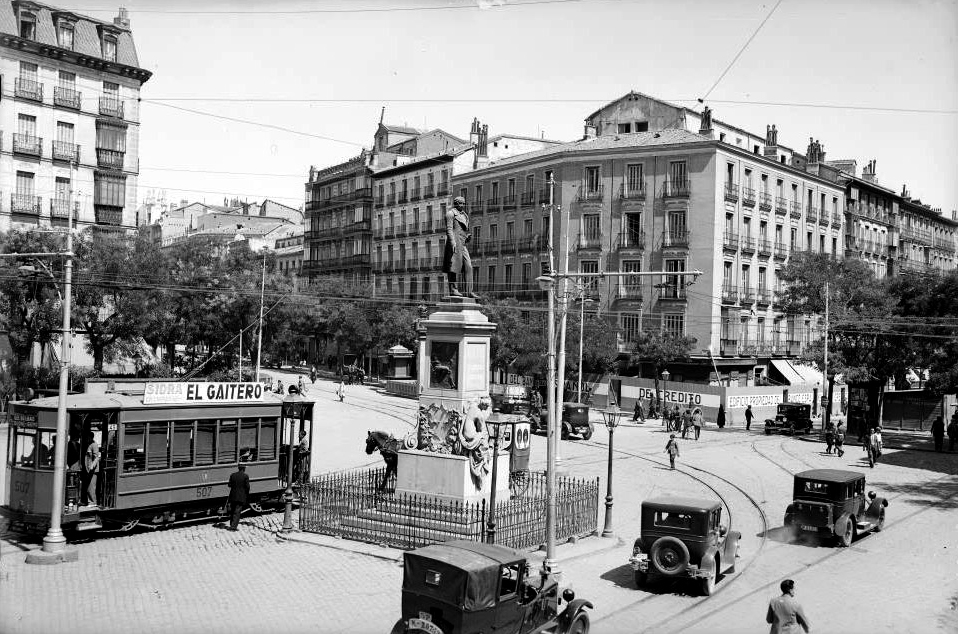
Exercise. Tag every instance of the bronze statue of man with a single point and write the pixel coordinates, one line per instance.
(456, 263)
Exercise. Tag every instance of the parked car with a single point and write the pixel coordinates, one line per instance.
(464, 587)
(575, 420)
(794, 418)
(832, 503)
(683, 537)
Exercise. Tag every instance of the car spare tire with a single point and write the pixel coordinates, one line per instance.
(669, 556)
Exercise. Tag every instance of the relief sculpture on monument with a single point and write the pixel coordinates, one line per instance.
(461, 433)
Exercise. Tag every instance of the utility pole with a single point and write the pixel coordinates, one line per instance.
(259, 342)
(828, 386)
(560, 362)
(240, 377)
(549, 564)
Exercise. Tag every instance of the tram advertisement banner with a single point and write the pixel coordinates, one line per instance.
(158, 392)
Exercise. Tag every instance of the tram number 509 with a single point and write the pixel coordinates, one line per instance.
(204, 492)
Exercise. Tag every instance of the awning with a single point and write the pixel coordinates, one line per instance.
(809, 374)
(789, 372)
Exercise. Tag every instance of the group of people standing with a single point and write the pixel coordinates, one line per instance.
(938, 432)
(691, 419)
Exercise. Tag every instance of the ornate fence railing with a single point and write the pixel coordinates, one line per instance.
(349, 505)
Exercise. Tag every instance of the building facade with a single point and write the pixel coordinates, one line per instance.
(69, 134)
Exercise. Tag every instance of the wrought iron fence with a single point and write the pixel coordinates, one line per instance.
(349, 505)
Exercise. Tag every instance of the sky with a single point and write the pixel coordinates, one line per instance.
(882, 76)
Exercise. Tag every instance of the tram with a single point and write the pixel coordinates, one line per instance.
(166, 450)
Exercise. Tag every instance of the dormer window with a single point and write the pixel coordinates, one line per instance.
(109, 47)
(28, 26)
(65, 35)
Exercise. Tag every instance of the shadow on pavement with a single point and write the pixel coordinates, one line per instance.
(622, 577)
(942, 494)
(946, 463)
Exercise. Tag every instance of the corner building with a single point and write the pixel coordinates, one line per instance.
(69, 118)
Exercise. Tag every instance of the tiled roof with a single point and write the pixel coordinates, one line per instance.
(86, 37)
(611, 142)
(401, 129)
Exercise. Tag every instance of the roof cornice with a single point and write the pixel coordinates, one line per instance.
(72, 57)
(758, 158)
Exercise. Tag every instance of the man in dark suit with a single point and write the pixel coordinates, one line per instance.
(239, 492)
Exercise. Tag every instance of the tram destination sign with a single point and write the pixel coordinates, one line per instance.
(158, 392)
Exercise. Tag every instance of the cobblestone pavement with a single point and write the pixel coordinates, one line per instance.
(203, 578)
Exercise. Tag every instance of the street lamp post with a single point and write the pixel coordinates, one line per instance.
(294, 406)
(665, 378)
(494, 424)
(611, 418)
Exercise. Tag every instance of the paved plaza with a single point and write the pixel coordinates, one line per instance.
(203, 578)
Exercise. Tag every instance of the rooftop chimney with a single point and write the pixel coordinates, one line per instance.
(589, 132)
(868, 174)
(122, 20)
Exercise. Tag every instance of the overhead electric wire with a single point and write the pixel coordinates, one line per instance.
(492, 4)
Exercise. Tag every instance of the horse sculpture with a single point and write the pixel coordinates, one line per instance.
(388, 447)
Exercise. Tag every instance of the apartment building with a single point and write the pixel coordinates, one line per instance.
(664, 199)
(69, 132)
(926, 239)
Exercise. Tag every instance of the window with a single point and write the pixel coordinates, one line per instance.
(746, 277)
(673, 520)
(727, 281)
(590, 226)
(226, 442)
(67, 80)
(511, 188)
(110, 137)
(109, 47)
(25, 184)
(834, 245)
(764, 183)
(625, 128)
(780, 188)
(510, 230)
(65, 132)
(182, 443)
(109, 189)
(495, 192)
(747, 227)
(674, 284)
(491, 276)
(509, 581)
(28, 26)
(545, 225)
(632, 284)
(748, 178)
(47, 448)
(134, 447)
(763, 231)
(27, 125)
(808, 241)
(493, 232)
(508, 279)
(641, 126)
(821, 244)
(678, 172)
(674, 325)
(527, 229)
(793, 239)
(62, 189)
(592, 181)
(526, 274)
(478, 193)
(530, 184)
(762, 279)
(23, 448)
(247, 446)
(65, 35)
(158, 446)
(634, 177)
(631, 326)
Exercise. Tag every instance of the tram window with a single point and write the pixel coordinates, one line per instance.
(158, 446)
(205, 442)
(226, 443)
(48, 441)
(182, 443)
(24, 448)
(267, 440)
(247, 449)
(134, 447)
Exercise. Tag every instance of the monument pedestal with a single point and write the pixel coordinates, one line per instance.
(447, 477)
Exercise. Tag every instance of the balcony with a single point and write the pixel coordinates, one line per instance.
(25, 204)
(633, 191)
(63, 151)
(731, 192)
(27, 144)
(60, 208)
(672, 291)
(359, 225)
(380, 201)
(544, 195)
(780, 252)
(428, 191)
(676, 188)
(443, 189)
(823, 219)
(108, 215)
(729, 294)
(730, 241)
(676, 238)
(590, 240)
(528, 199)
(595, 192)
(111, 107)
(765, 201)
(781, 206)
(836, 219)
(390, 232)
(747, 244)
(630, 291)
(748, 197)
(412, 264)
(415, 194)
(109, 158)
(66, 97)
(630, 240)
(795, 209)
(403, 198)
(493, 205)
(764, 248)
(728, 347)
(763, 297)
(794, 347)
(391, 199)
(402, 230)
(812, 216)
(509, 202)
(28, 89)
(746, 296)
(477, 208)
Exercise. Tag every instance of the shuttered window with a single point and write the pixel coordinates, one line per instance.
(158, 446)
(226, 442)
(109, 190)
(110, 137)
(205, 442)
(182, 443)
(267, 440)
(134, 447)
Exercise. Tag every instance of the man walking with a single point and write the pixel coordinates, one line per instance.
(672, 448)
(938, 433)
(239, 493)
(697, 422)
(341, 391)
(784, 613)
(637, 413)
(840, 438)
(748, 417)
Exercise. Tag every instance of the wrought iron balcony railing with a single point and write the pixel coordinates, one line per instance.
(781, 206)
(111, 159)
(27, 144)
(765, 201)
(28, 89)
(111, 107)
(676, 188)
(748, 196)
(794, 209)
(63, 151)
(631, 240)
(731, 192)
(633, 191)
(25, 204)
(594, 192)
(730, 241)
(67, 97)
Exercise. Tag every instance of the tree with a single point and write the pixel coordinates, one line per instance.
(659, 348)
(519, 343)
(600, 345)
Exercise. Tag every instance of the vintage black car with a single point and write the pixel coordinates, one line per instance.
(575, 420)
(684, 538)
(832, 503)
(793, 418)
(464, 587)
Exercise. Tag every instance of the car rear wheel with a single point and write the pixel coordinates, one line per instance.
(848, 534)
(708, 584)
(669, 556)
(640, 578)
(587, 434)
(580, 624)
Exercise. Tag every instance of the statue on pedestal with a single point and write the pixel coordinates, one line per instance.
(456, 262)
